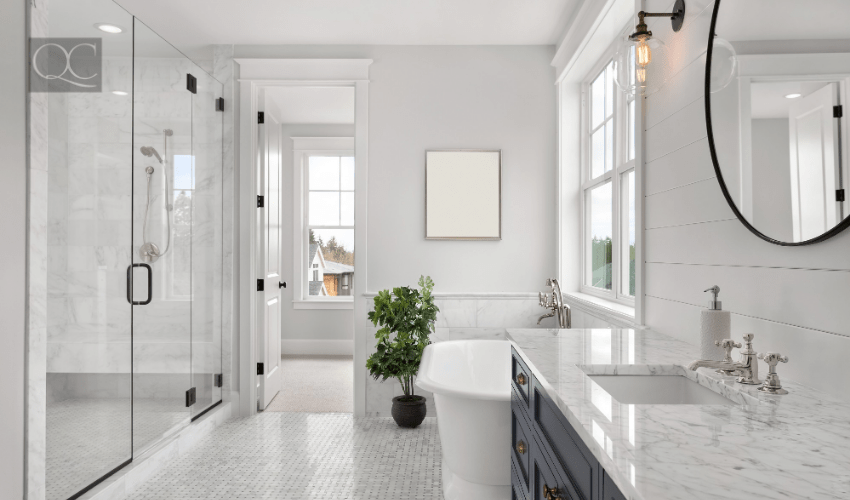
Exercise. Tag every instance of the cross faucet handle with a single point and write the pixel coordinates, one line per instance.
(727, 344)
(772, 359)
(771, 382)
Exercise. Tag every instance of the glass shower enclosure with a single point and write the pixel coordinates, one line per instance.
(134, 248)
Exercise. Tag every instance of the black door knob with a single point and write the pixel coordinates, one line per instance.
(281, 284)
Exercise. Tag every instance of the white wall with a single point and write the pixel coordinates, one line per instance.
(792, 299)
(772, 212)
(13, 198)
(306, 324)
(488, 97)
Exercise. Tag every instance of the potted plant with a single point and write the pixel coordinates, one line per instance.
(406, 317)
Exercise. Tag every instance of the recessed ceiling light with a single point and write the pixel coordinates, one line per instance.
(119, 92)
(109, 28)
(792, 96)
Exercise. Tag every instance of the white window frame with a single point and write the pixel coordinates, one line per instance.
(303, 148)
(622, 166)
(168, 269)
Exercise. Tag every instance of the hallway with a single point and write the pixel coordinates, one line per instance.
(302, 456)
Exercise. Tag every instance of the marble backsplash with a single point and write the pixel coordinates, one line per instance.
(468, 317)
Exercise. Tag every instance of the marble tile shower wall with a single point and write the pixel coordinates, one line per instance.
(92, 218)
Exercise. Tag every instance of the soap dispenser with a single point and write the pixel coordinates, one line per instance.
(715, 326)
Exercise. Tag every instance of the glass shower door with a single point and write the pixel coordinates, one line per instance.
(206, 242)
(163, 190)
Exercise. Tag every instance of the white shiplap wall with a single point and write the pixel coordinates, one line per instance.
(795, 300)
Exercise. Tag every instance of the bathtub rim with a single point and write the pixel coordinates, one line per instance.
(424, 382)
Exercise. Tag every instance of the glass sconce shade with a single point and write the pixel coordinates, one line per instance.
(724, 64)
(640, 66)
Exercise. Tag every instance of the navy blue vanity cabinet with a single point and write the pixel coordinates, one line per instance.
(554, 460)
(609, 489)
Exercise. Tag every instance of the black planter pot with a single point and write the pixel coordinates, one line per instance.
(409, 411)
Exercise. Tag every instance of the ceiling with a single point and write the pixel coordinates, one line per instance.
(193, 23)
(314, 105)
(784, 20)
(769, 101)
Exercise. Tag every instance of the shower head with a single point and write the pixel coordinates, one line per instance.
(149, 151)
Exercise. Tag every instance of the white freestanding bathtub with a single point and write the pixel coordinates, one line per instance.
(471, 383)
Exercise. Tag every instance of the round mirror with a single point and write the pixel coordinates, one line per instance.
(776, 90)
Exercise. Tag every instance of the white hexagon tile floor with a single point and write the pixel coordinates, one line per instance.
(305, 456)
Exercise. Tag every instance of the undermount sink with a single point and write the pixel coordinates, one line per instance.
(658, 390)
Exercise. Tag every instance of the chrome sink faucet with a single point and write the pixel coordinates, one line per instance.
(747, 368)
(555, 304)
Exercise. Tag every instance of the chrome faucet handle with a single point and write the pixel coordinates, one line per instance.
(771, 382)
(728, 345)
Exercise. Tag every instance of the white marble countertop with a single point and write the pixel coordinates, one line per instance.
(766, 447)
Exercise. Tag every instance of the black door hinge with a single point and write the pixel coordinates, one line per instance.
(261, 201)
(191, 83)
(261, 369)
(837, 111)
(219, 380)
(191, 397)
(219, 104)
(261, 117)
(261, 285)
(839, 195)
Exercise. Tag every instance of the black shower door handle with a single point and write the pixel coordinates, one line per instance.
(130, 285)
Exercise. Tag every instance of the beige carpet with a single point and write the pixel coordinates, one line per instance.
(316, 384)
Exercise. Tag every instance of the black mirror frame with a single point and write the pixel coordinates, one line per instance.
(709, 50)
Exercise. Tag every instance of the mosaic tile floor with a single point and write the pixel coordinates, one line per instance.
(305, 456)
(86, 438)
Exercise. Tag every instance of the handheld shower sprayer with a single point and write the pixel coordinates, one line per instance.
(149, 252)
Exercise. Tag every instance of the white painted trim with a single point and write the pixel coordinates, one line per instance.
(304, 69)
(601, 307)
(323, 143)
(323, 304)
(317, 347)
(259, 73)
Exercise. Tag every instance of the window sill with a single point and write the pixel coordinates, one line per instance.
(600, 306)
(323, 304)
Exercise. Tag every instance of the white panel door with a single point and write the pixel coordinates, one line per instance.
(813, 164)
(269, 261)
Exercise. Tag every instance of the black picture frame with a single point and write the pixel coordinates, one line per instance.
(841, 226)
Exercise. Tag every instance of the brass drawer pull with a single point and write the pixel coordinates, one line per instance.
(550, 493)
(520, 447)
(520, 379)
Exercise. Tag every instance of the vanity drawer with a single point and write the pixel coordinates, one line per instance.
(560, 440)
(543, 478)
(521, 447)
(609, 489)
(520, 376)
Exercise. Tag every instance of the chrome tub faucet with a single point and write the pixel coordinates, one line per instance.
(555, 304)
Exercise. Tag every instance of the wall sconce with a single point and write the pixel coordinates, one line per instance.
(641, 60)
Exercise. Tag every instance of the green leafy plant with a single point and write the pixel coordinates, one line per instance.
(406, 317)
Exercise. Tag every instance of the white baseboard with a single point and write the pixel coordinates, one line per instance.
(318, 347)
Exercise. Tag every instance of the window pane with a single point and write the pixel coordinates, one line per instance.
(330, 262)
(324, 172)
(628, 187)
(184, 172)
(346, 209)
(597, 100)
(601, 231)
(323, 209)
(597, 153)
(347, 173)
(609, 145)
(609, 89)
(631, 130)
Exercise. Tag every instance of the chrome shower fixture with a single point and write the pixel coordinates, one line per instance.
(149, 151)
